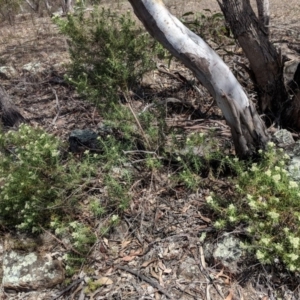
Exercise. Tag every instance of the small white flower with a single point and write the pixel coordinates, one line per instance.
(273, 215)
(250, 229)
(293, 256)
(253, 204)
(271, 144)
(276, 177)
(254, 167)
(294, 241)
(54, 153)
(75, 235)
(232, 219)
(265, 241)
(114, 218)
(292, 268)
(260, 255)
(278, 247)
(231, 207)
(268, 173)
(261, 225)
(293, 184)
(209, 199)
(218, 224)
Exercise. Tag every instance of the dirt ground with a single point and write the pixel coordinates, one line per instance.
(156, 251)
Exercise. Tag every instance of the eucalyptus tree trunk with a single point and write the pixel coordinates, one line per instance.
(265, 60)
(248, 130)
(263, 7)
(10, 114)
(67, 6)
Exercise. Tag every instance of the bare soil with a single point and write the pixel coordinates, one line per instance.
(155, 253)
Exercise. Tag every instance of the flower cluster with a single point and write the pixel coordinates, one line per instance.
(265, 198)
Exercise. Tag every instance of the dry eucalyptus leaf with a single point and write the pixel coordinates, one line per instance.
(128, 258)
(229, 296)
(104, 281)
(125, 244)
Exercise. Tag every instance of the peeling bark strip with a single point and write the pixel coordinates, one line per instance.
(248, 130)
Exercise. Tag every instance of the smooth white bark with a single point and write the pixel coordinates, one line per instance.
(247, 128)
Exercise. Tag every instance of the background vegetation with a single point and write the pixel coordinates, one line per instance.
(47, 186)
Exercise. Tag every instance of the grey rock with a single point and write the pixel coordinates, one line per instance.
(82, 140)
(296, 150)
(284, 138)
(104, 129)
(228, 252)
(29, 271)
(294, 168)
(189, 269)
(8, 72)
(34, 68)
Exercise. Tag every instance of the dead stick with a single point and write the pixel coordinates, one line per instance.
(146, 279)
(77, 281)
(137, 121)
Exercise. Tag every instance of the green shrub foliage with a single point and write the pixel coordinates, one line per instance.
(35, 182)
(265, 201)
(109, 53)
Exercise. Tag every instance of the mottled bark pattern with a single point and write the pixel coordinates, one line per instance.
(264, 13)
(265, 62)
(292, 112)
(10, 114)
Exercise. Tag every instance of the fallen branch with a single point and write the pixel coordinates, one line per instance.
(146, 279)
(69, 287)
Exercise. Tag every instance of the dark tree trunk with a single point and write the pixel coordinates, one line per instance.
(292, 108)
(10, 114)
(263, 13)
(265, 61)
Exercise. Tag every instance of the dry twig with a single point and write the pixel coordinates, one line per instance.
(146, 279)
